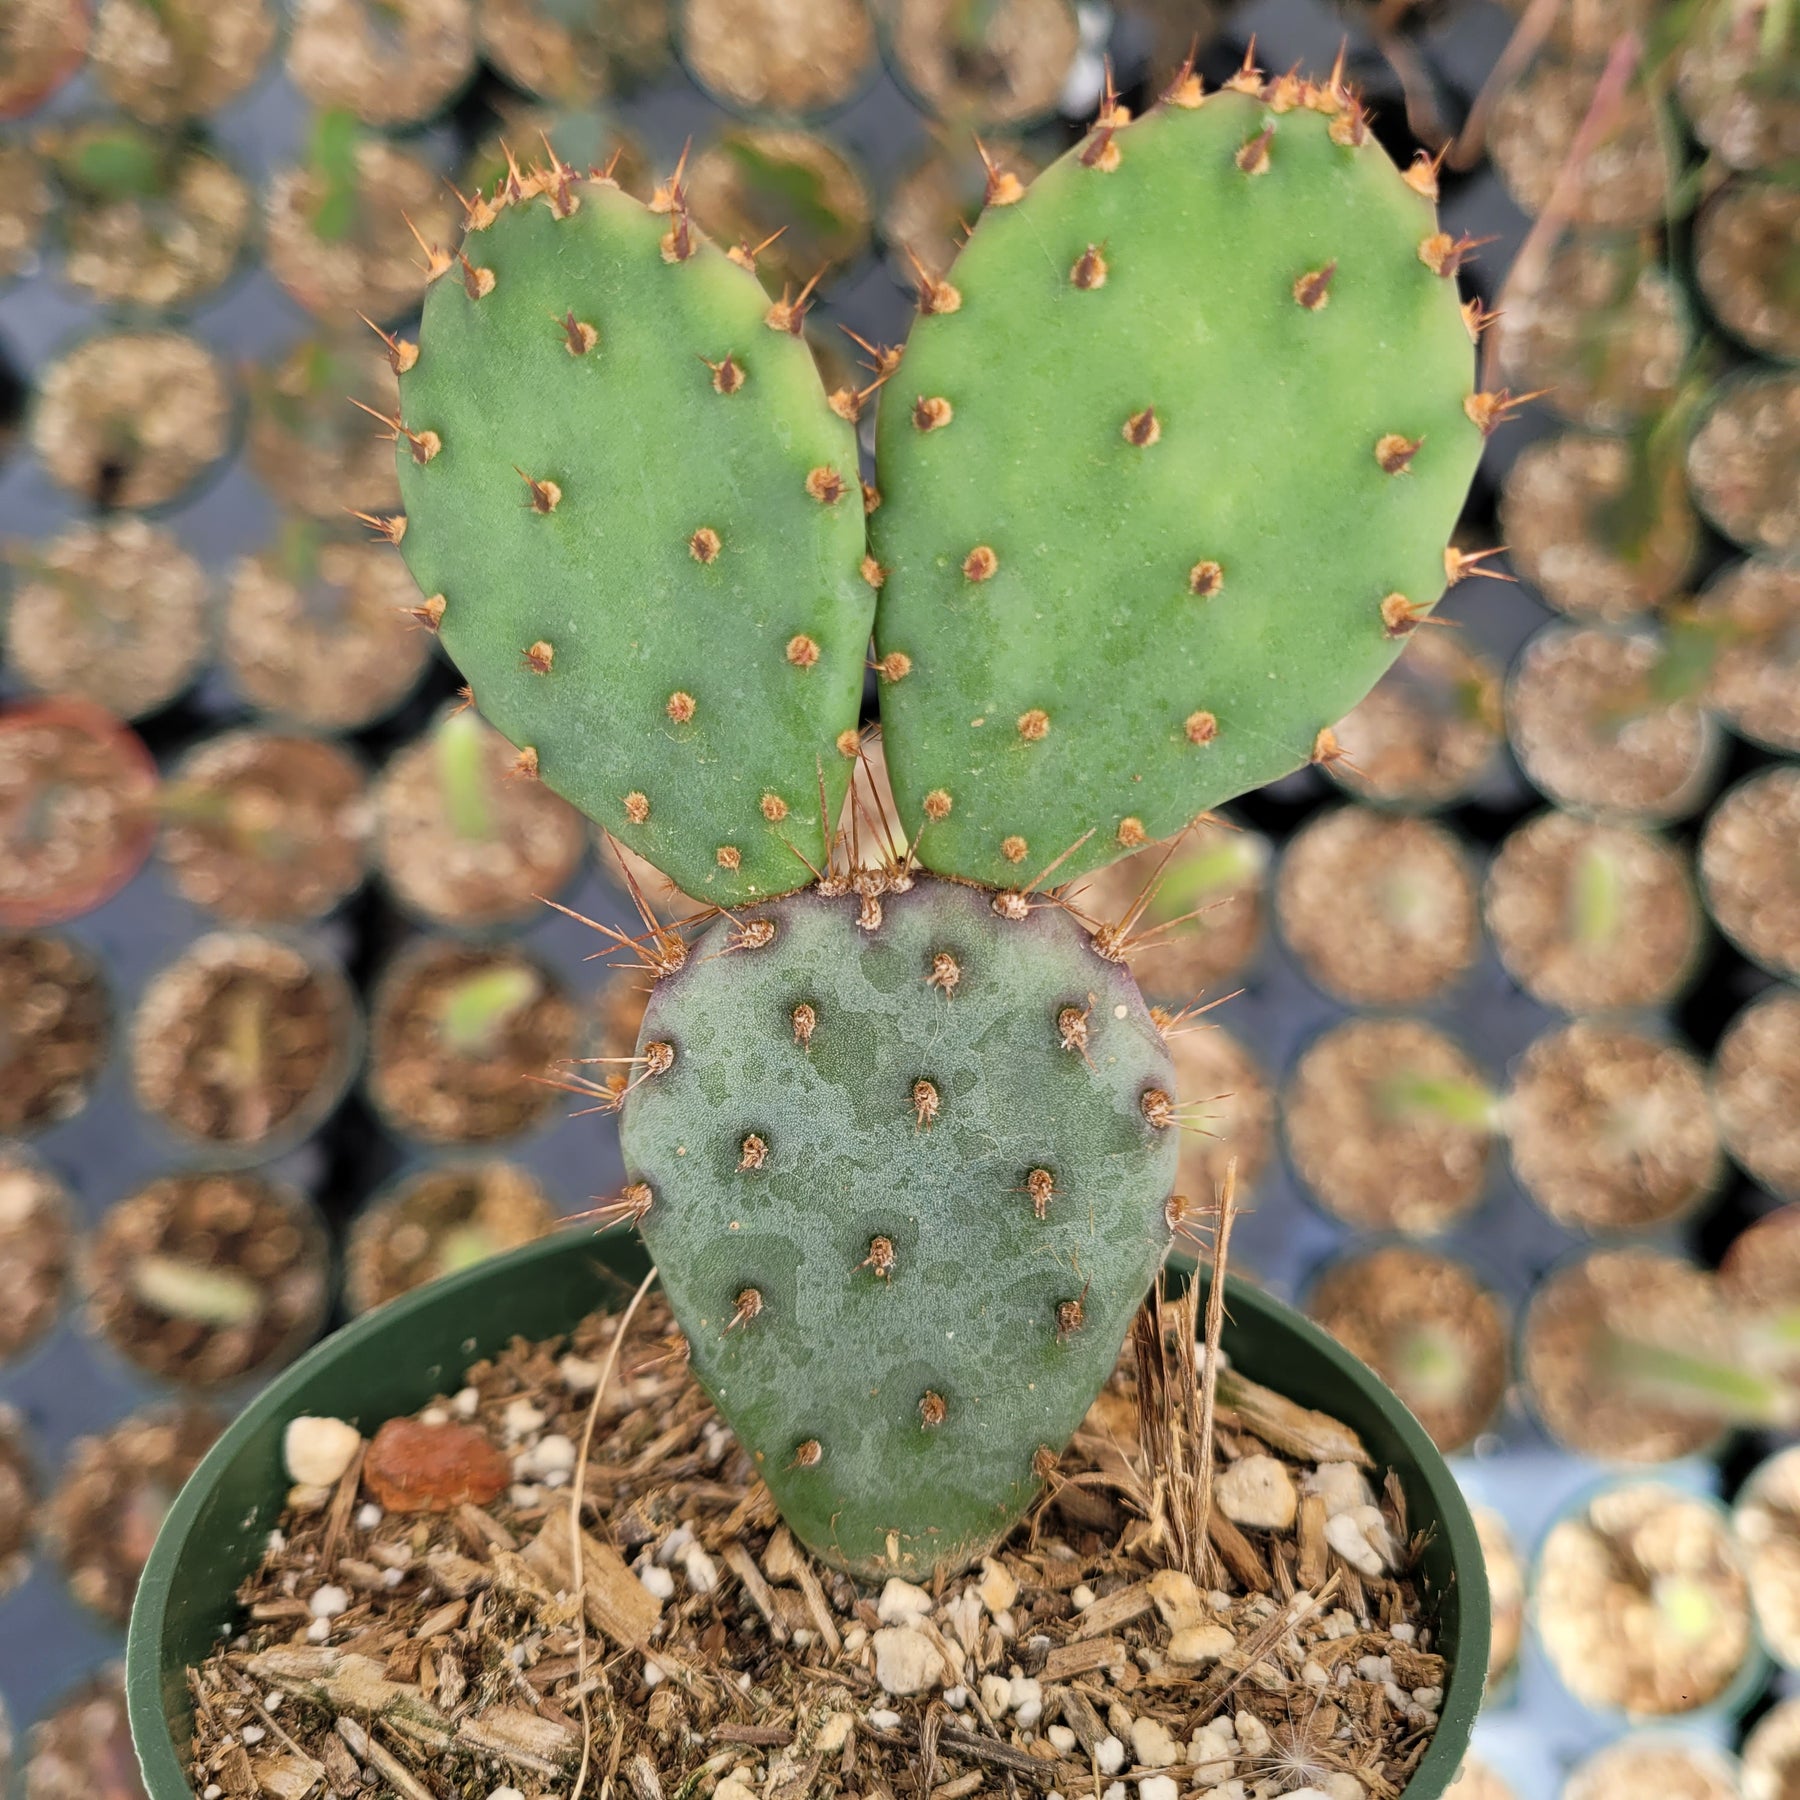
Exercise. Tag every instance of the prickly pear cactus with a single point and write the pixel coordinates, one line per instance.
(906, 1186)
(1168, 470)
(638, 527)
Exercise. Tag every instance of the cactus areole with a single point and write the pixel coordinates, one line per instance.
(1165, 479)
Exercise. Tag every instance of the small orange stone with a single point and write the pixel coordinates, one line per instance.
(774, 808)
(412, 1467)
(680, 707)
(980, 563)
(937, 805)
(802, 652)
(1201, 728)
(1034, 726)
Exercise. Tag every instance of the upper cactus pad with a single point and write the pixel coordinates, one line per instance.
(644, 525)
(904, 1169)
(1168, 470)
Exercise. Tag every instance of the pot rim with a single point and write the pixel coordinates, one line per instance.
(160, 1760)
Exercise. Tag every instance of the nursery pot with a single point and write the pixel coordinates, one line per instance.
(398, 1357)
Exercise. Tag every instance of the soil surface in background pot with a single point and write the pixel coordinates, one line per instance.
(164, 61)
(1605, 331)
(464, 842)
(1772, 1755)
(1750, 866)
(778, 56)
(1592, 917)
(375, 267)
(160, 236)
(82, 1750)
(1380, 911)
(439, 1221)
(1588, 730)
(1640, 1603)
(18, 1503)
(1755, 607)
(1476, 1781)
(76, 820)
(1390, 1125)
(1579, 1317)
(1612, 1130)
(1766, 1522)
(242, 1039)
(1744, 262)
(1039, 1654)
(1235, 1110)
(1428, 1328)
(263, 829)
(109, 1505)
(461, 1039)
(54, 1023)
(42, 43)
(37, 1245)
(1009, 74)
(1597, 529)
(205, 1279)
(1506, 1594)
(1654, 1766)
(1756, 1091)
(748, 185)
(391, 62)
(309, 448)
(1760, 1270)
(1427, 731)
(573, 55)
(925, 214)
(1741, 462)
(618, 1012)
(117, 613)
(1625, 176)
(25, 201)
(1204, 919)
(326, 641)
(1751, 122)
(133, 419)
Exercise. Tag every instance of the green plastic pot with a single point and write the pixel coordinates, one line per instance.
(397, 1358)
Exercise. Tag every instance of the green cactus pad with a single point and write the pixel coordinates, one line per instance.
(649, 565)
(776, 1155)
(1136, 531)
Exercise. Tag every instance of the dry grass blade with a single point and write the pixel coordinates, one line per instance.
(1215, 1330)
(577, 1488)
